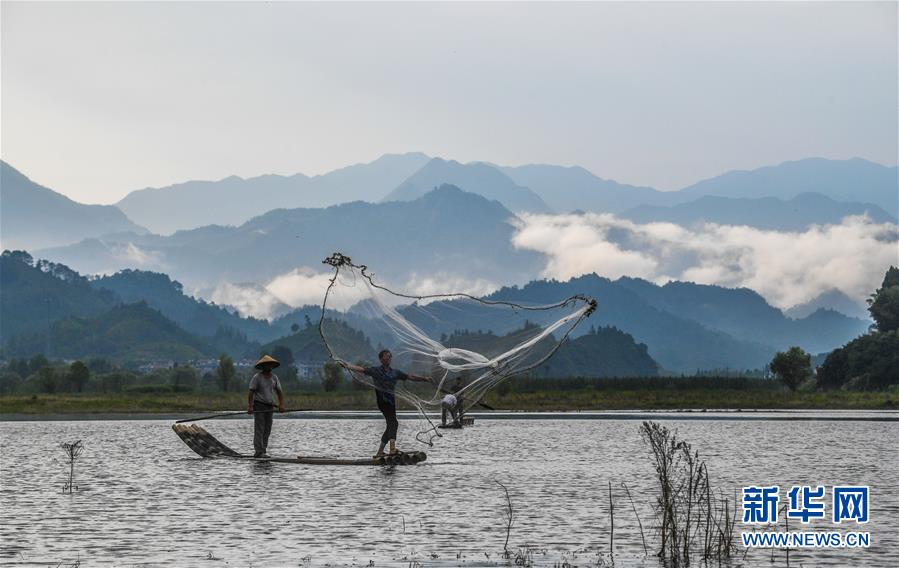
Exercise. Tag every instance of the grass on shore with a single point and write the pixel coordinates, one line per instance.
(542, 400)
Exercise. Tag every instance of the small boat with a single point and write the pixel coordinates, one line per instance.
(207, 446)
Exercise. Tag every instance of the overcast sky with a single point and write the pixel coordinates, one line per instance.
(102, 99)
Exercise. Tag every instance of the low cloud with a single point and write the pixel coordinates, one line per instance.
(444, 283)
(304, 286)
(137, 256)
(249, 300)
(787, 268)
(300, 287)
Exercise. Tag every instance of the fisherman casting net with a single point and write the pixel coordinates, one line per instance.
(465, 345)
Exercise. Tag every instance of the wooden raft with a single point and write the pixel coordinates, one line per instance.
(205, 444)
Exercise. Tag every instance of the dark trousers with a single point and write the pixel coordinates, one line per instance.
(389, 412)
(262, 426)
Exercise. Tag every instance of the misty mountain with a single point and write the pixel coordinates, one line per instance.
(679, 345)
(366, 182)
(33, 216)
(685, 326)
(832, 300)
(477, 177)
(37, 293)
(745, 315)
(125, 333)
(306, 344)
(234, 200)
(194, 315)
(796, 214)
(600, 352)
(854, 180)
(568, 189)
(532, 188)
(445, 234)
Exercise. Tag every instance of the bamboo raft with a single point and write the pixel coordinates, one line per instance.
(207, 446)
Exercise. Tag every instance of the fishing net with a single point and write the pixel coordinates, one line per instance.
(465, 345)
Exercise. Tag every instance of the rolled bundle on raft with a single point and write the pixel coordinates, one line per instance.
(402, 458)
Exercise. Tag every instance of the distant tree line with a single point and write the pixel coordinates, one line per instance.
(40, 375)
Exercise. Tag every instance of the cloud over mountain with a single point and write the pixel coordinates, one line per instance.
(787, 268)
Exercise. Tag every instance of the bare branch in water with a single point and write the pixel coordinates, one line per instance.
(612, 519)
(510, 518)
(73, 451)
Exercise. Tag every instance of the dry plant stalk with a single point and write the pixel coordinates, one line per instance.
(639, 522)
(73, 451)
(510, 516)
(691, 518)
(612, 522)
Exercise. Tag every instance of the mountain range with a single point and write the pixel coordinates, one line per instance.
(482, 179)
(33, 216)
(447, 233)
(772, 213)
(567, 189)
(420, 238)
(787, 196)
(234, 200)
(684, 326)
(849, 186)
(841, 180)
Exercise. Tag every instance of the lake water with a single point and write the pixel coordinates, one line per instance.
(144, 499)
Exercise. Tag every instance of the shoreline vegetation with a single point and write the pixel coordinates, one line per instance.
(538, 400)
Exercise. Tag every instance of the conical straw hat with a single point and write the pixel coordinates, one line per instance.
(267, 361)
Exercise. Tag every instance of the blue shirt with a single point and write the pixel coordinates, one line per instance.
(385, 382)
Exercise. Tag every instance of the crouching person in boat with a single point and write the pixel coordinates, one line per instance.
(384, 378)
(261, 403)
(450, 405)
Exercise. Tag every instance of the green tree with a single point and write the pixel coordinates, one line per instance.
(46, 379)
(37, 363)
(225, 372)
(884, 303)
(792, 367)
(114, 381)
(78, 375)
(283, 354)
(20, 366)
(867, 362)
(99, 365)
(183, 379)
(333, 376)
(9, 382)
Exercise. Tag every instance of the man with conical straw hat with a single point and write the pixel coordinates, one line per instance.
(261, 403)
